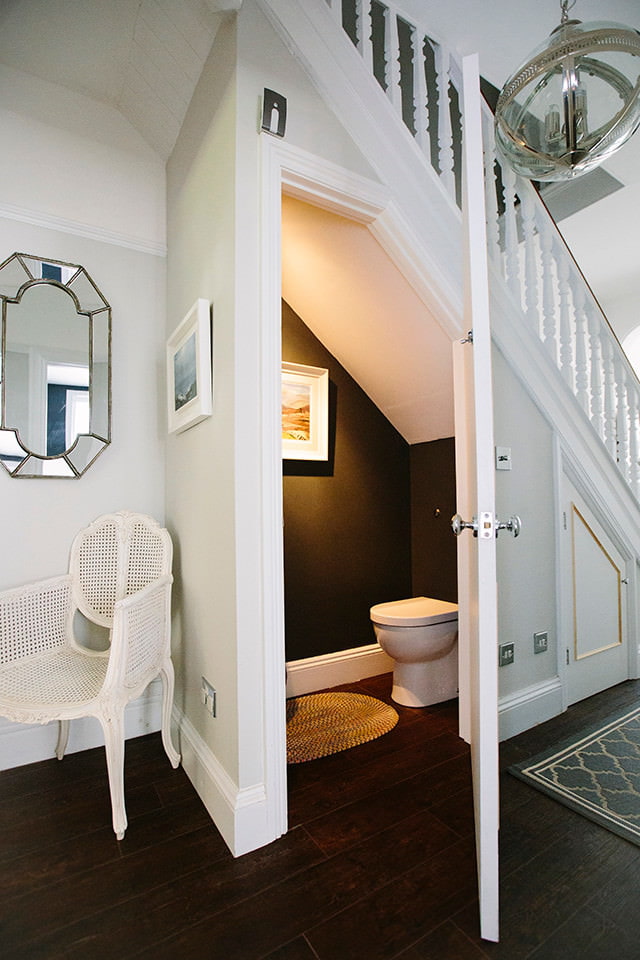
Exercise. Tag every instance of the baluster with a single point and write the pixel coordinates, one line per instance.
(582, 375)
(597, 370)
(634, 444)
(445, 131)
(420, 92)
(566, 340)
(364, 28)
(511, 231)
(609, 399)
(530, 260)
(394, 91)
(491, 197)
(622, 420)
(549, 332)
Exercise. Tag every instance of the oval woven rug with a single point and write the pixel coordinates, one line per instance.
(323, 723)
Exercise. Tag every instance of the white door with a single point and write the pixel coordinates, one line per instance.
(477, 589)
(594, 597)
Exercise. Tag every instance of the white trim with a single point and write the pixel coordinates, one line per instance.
(50, 222)
(241, 815)
(525, 708)
(333, 669)
(29, 743)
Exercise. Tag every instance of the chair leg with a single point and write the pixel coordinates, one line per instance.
(113, 727)
(63, 738)
(167, 675)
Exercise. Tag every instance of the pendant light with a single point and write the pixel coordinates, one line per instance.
(573, 103)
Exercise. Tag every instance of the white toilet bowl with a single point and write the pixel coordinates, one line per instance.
(420, 634)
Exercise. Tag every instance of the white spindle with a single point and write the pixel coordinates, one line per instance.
(609, 398)
(549, 334)
(634, 440)
(445, 132)
(566, 339)
(490, 184)
(530, 260)
(597, 371)
(365, 41)
(582, 375)
(392, 50)
(511, 231)
(420, 92)
(622, 420)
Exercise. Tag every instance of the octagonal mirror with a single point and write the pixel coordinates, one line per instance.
(55, 368)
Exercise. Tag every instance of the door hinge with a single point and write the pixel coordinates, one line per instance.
(564, 519)
(567, 656)
(468, 338)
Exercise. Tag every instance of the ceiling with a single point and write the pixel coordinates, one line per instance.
(144, 57)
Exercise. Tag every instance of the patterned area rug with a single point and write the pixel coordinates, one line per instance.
(598, 774)
(324, 723)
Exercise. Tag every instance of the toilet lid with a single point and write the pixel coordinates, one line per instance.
(414, 612)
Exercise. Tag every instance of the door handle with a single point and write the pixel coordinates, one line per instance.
(458, 525)
(513, 525)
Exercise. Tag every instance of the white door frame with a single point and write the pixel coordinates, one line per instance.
(293, 171)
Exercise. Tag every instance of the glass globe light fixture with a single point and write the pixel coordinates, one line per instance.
(573, 103)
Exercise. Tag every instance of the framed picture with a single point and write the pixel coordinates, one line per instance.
(305, 412)
(189, 393)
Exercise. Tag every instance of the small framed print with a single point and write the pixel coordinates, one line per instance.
(305, 412)
(189, 388)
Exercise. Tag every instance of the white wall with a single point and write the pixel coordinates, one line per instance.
(529, 689)
(66, 194)
(214, 469)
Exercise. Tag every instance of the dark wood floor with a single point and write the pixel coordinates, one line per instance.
(378, 862)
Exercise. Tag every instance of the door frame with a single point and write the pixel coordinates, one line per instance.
(291, 170)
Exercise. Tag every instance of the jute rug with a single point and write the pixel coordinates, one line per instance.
(323, 723)
(598, 774)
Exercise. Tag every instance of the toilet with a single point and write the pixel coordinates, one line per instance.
(420, 634)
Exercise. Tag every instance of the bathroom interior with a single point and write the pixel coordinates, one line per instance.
(369, 525)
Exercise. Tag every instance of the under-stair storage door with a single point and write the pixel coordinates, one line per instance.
(595, 596)
(477, 590)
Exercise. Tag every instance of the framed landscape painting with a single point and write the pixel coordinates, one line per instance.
(189, 369)
(305, 412)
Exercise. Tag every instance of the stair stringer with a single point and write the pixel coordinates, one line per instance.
(429, 215)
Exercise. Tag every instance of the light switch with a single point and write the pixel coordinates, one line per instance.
(503, 458)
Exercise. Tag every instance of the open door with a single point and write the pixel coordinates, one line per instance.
(477, 588)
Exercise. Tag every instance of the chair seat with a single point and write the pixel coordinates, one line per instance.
(59, 677)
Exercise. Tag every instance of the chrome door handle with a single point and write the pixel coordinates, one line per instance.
(513, 525)
(458, 525)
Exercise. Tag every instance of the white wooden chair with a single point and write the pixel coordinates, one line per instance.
(119, 577)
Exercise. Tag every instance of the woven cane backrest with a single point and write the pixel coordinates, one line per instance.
(33, 619)
(116, 556)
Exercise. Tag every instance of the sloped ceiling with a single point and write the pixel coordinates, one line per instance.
(337, 277)
(143, 57)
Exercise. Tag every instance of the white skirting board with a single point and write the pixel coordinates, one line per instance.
(333, 669)
(28, 743)
(524, 709)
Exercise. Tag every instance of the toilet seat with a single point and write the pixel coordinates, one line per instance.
(414, 612)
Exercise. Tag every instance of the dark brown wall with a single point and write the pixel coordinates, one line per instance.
(347, 540)
(433, 499)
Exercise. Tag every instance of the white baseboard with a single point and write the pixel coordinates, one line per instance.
(22, 743)
(524, 709)
(333, 669)
(239, 814)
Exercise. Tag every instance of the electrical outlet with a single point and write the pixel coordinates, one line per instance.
(540, 642)
(505, 654)
(208, 696)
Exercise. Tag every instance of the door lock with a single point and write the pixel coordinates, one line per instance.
(513, 525)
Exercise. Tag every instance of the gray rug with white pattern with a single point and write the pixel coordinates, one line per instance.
(597, 774)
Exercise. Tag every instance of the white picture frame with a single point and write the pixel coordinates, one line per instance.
(189, 375)
(305, 412)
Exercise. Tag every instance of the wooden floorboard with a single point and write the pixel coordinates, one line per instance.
(378, 863)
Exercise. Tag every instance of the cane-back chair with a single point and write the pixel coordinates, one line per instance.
(120, 578)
